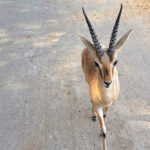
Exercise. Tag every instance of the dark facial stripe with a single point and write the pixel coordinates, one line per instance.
(110, 57)
(100, 72)
(106, 71)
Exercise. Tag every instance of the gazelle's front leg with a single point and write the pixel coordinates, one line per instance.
(94, 113)
(102, 125)
(104, 112)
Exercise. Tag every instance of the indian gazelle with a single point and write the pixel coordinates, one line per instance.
(99, 67)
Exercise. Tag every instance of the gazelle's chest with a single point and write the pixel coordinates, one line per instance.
(107, 94)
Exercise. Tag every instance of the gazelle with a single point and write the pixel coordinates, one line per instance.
(99, 67)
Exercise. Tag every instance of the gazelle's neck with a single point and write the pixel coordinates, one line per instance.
(108, 93)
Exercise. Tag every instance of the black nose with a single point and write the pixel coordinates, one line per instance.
(107, 83)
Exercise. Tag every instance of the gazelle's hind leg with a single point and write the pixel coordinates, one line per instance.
(102, 126)
(94, 113)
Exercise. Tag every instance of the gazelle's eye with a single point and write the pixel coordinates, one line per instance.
(97, 65)
(115, 63)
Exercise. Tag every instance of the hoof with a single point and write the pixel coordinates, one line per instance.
(104, 116)
(103, 135)
(94, 118)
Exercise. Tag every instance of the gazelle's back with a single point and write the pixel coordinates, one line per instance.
(91, 76)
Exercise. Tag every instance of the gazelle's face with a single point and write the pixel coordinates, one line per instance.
(106, 65)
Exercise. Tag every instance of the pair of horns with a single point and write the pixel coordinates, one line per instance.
(113, 35)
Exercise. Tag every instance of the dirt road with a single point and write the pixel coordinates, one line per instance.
(44, 100)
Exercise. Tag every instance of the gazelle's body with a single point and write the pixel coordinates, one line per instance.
(99, 67)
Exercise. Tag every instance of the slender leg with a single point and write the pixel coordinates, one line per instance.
(104, 112)
(102, 126)
(94, 114)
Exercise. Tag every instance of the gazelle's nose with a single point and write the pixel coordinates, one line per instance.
(107, 84)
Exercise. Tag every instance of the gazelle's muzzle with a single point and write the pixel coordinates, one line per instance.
(107, 84)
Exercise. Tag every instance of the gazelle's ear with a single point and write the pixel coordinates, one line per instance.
(121, 42)
(90, 47)
(87, 43)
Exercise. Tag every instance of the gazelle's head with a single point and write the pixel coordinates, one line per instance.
(105, 59)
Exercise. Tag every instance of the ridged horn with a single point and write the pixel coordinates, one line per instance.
(93, 35)
(114, 34)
